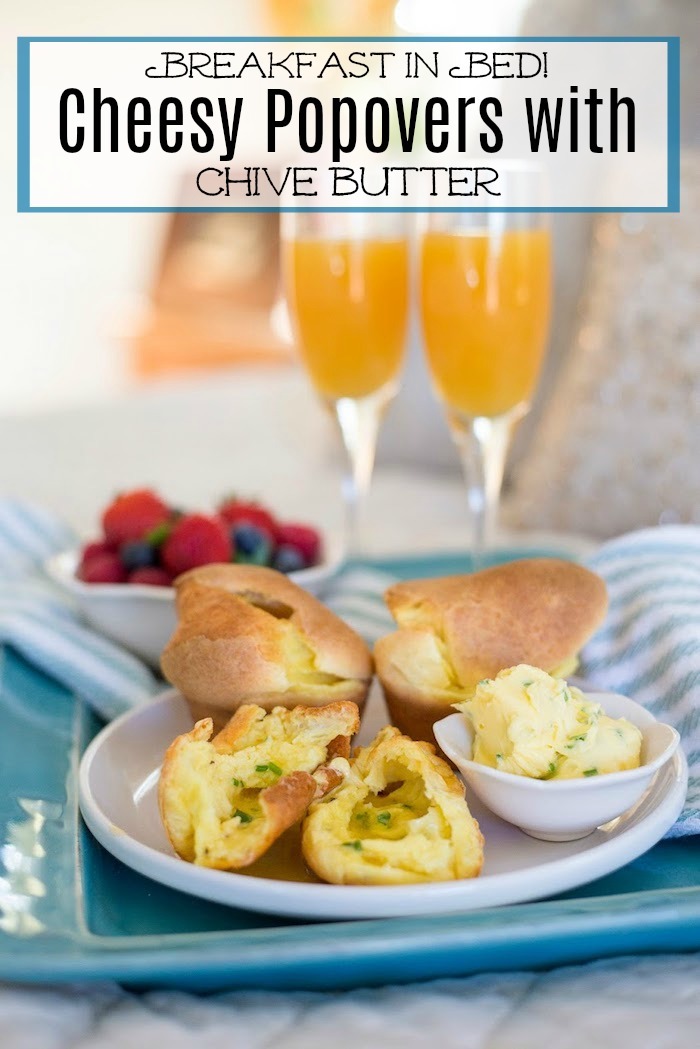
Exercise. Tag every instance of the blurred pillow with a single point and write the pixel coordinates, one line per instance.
(618, 444)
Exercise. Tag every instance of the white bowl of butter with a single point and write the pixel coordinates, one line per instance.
(521, 752)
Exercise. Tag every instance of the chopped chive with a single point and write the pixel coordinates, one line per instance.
(362, 817)
(526, 684)
(591, 772)
(499, 757)
(236, 782)
(550, 771)
(356, 845)
(405, 806)
(384, 817)
(484, 681)
(270, 767)
(244, 817)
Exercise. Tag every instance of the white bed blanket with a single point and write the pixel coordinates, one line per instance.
(641, 1003)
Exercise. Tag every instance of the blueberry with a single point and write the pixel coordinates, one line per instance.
(138, 554)
(288, 559)
(252, 545)
(246, 537)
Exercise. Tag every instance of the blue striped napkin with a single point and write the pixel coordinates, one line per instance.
(41, 624)
(649, 645)
(356, 594)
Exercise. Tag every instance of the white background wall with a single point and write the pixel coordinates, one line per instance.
(70, 284)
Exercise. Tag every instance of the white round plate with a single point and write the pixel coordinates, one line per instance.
(118, 798)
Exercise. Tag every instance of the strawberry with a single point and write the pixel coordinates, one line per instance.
(303, 538)
(236, 511)
(133, 515)
(102, 568)
(195, 540)
(149, 575)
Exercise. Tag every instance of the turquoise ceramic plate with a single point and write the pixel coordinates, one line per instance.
(69, 911)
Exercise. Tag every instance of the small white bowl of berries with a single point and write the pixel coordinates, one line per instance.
(122, 581)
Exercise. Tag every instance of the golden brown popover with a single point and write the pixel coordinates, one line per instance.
(248, 634)
(457, 630)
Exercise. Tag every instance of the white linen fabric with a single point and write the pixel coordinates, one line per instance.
(622, 1003)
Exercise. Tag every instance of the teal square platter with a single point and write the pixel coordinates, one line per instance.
(70, 911)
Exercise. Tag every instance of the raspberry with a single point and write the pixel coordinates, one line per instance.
(95, 549)
(150, 576)
(102, 568)
(303, 538)
(132, 515)
(195, 540)
(235, 511)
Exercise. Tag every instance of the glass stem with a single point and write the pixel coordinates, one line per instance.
(358, 419)
(483, 444)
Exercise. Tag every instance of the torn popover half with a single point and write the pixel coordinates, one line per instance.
(398, 816)
(224, 801)
(248, 634)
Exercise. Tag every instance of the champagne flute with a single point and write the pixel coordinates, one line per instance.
(346, 279)
(485, 290)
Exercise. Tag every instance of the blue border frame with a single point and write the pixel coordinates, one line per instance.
(23, 44)
(23, 107)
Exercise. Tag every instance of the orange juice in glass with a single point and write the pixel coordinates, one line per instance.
(485, 280)
(349, 303)
(485, 306)
(346, 284)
